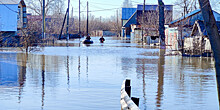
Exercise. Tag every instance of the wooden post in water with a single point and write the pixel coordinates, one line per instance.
(212, 31)
(135, 100)
(128, 87)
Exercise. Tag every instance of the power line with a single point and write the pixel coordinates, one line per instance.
(103, 4)
(100, 10)
(104, 9)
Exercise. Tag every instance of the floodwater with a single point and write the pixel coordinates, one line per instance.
(89, 77)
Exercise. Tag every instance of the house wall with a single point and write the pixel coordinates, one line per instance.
(22, 17)
(136, 36)
(8, 18)
(171, 38)
(124, 22)
(207, 45)
(197, 45)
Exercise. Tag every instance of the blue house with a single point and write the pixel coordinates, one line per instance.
(151, 14)
(126, 14)
(8, 15)
(12, 18)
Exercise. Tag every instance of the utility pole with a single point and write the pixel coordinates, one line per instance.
(79, 19)
(212, 31)
(87, 26)
(117, 23)
(67, 21)
(142, 25)
(43, 20)
(161, 23)
(73, 19)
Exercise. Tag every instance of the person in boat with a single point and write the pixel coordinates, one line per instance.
(88, 37)
(102, 39)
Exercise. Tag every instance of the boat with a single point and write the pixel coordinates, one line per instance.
(86, 41)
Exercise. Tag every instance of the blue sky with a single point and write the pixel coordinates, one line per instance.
(112, 5)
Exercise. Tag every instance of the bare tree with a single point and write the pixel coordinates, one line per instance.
(30, 36)
(151, 21)
(186, 5)
(51, 6)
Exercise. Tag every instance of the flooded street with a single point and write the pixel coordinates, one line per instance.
(81, 77)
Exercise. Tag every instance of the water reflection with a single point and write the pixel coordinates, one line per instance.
(22, 73)
(87, 68)
(79, 68)
(84, 77)
(160, 81)
(8, 70)
(43, 80)
(68, 71)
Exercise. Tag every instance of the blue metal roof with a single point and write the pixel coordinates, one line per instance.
(216, 15)
(187, 15)
(132, 20)
(127, 13)
(154, 7)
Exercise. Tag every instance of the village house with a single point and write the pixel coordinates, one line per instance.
(12, 19)
(182, 28)
(132, 28)
(126, 14)
(198, 44)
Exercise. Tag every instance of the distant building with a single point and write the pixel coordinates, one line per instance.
(103, 33)
(131, 29)
(182, 27)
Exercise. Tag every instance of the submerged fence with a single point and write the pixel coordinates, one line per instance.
(128, 102)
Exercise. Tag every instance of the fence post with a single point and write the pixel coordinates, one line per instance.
(135, 100)
(128, 87)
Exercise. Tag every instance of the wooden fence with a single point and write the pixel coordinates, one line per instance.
(128, 102)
